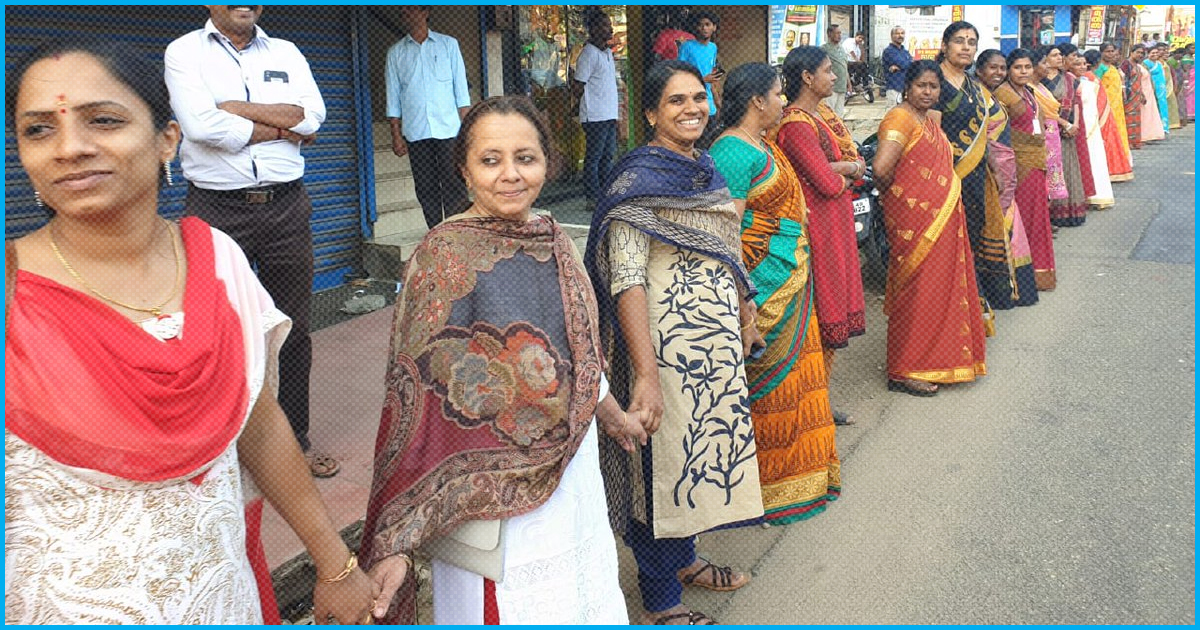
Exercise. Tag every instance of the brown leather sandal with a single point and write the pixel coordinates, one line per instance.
(722, 578)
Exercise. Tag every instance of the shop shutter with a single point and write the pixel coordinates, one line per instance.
(332, 167)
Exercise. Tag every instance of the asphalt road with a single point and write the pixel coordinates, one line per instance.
(1058, 489)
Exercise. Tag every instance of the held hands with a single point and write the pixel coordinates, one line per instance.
(752, 339)
(345, 601)
(388, 574)
(625, 428)
(646, 402)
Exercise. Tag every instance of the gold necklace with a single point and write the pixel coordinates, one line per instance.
(757, 143)
(156, 311)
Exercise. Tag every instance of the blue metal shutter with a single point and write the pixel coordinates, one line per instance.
(332, 169)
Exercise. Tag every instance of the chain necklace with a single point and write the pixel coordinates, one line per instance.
(758, 143)
(156, 311)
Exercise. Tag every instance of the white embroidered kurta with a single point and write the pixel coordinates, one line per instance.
(85, 547)
(560, 560)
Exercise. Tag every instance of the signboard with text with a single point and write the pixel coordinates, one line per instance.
(791, 25)
(1095, 27)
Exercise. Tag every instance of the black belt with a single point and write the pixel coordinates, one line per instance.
(255, 195)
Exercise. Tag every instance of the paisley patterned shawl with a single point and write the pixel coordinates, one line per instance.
(486, 403)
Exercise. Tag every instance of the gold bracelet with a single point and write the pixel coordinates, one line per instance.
(351, 565)
(625, 422)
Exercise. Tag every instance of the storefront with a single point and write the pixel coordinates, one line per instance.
(1025, 26)
(541, 66)
(338, 166)
(1107, 23)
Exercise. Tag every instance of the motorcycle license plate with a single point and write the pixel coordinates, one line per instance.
(862, 206)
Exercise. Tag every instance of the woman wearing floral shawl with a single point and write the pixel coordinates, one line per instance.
(494, 376)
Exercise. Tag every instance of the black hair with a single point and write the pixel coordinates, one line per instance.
(1107, 45)
(800, 60)
(704, 15)
(744, 83)
(509, 104)
(832, 27)
(950, 31)
(593, 18)
(1042, 52)
(986, 56)
(657, 78)
(1067, 49)
(140, 72)
(920, 67)
(1092, 57)
(1022, 53)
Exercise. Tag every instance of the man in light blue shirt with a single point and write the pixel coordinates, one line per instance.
(426, 100)
(702, 53)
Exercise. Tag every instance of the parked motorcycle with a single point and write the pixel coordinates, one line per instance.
(868, 215)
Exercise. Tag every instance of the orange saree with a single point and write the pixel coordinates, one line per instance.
(935, 324)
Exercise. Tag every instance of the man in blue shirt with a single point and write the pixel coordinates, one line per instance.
(427, 92)
(896, 61)
(702, 53)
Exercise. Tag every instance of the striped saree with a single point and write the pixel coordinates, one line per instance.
(798, 463)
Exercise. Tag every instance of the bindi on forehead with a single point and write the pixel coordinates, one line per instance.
(62, 103)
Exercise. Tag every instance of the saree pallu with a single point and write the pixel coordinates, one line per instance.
(1030, 151)
(1158, 78)
(1118, 159)
(1081, 145)
(798, 464)
(1133, 99)
(1071, 211)
(1112, 83)
(964, 121)
(1097, 128)
(1002, 163)
(1173, 120)
(1056, 182)
(935, 324)
(1152, 128)
(1189, 92)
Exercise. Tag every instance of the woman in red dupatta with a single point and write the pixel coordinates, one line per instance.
(494, 377)
(935, 324)
(125, 425)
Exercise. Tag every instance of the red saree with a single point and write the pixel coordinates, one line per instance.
(1030, 148)
(811, 144)
(935, 323)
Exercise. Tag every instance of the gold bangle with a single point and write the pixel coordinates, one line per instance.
(351, 565)
(625, 421)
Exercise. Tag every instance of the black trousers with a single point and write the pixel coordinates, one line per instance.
(277, 240)
(440, 188)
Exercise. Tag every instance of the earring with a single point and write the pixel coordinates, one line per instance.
(37, 198)
(167, 172)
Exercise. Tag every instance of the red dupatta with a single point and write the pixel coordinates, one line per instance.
(92, 390)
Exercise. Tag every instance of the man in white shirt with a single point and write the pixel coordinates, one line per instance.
(426, 99)
(856, 63)
(246, 103)
(595, 85)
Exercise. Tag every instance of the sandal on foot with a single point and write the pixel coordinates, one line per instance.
(693, 619)
(907, 387)
(722, 578)
(321, 465)
(843, 419)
